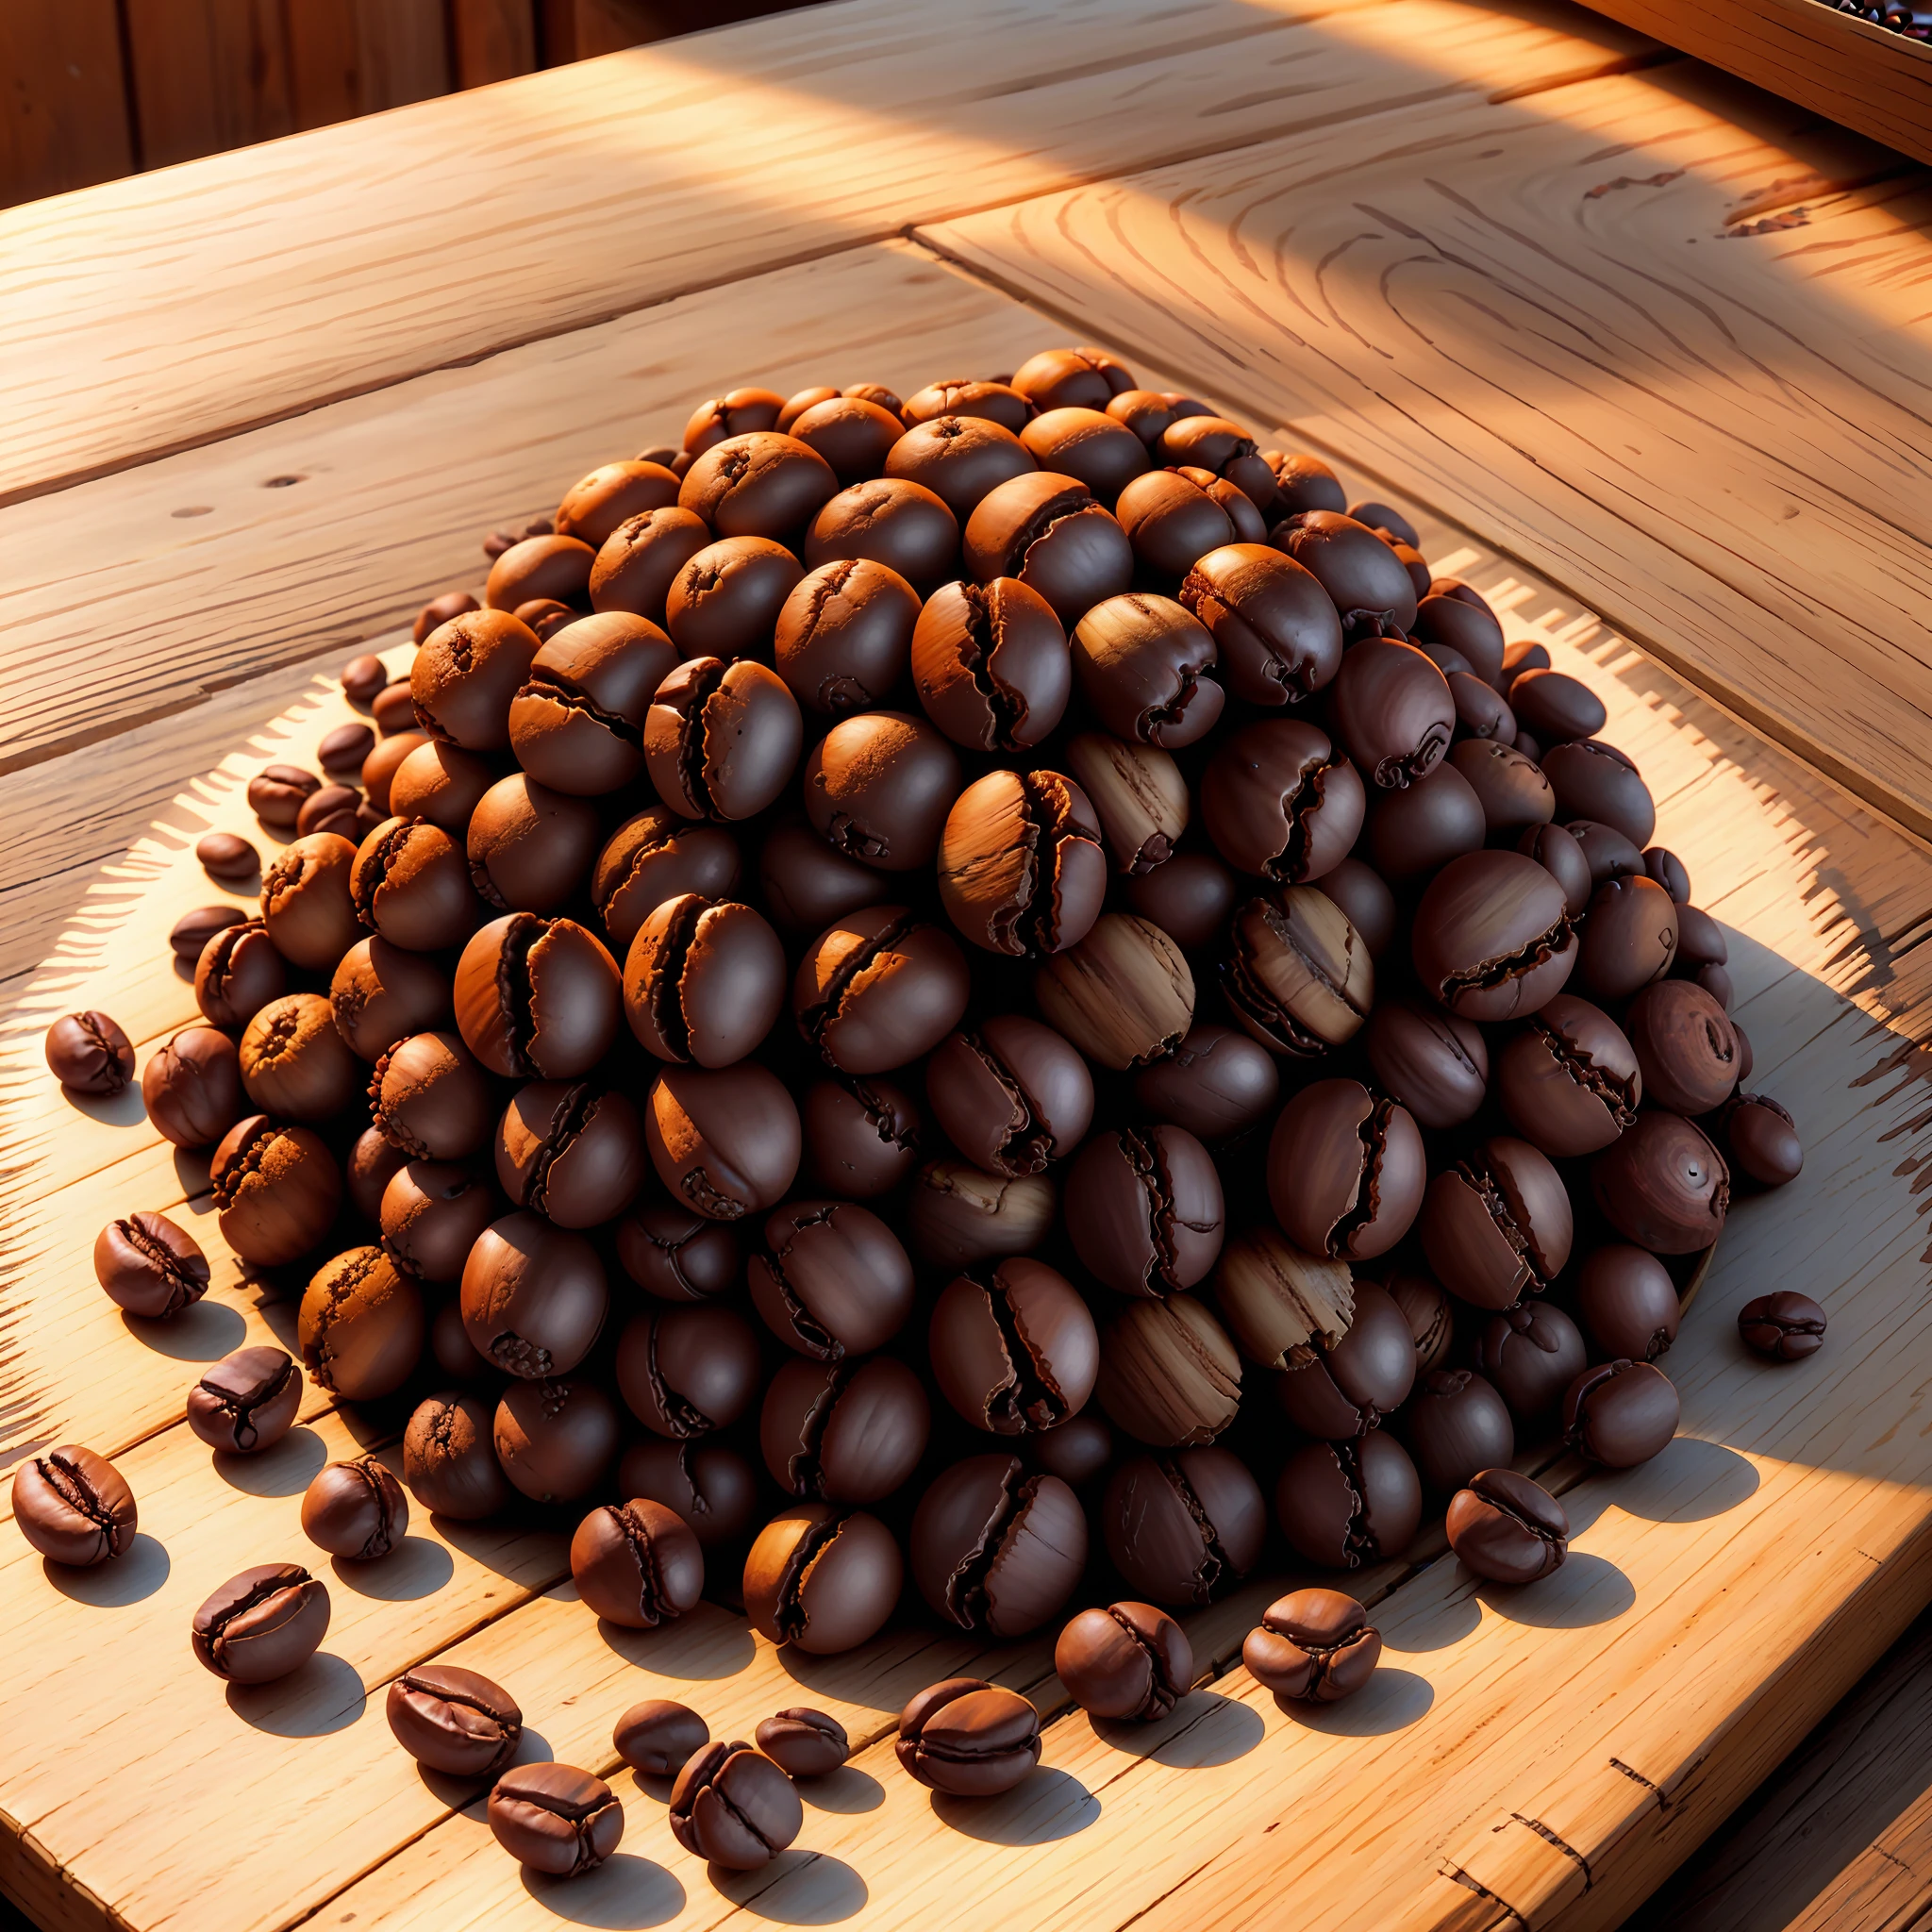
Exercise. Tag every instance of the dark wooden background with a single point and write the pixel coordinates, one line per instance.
(96, 89)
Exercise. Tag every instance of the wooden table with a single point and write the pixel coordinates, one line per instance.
(1638, 344)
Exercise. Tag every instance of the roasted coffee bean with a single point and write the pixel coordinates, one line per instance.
(554, 1817)
(1303, 483)
(736, 413)
(1129, 1660)
(593, 506)
(1663, 1185)
(686, 1371)
(997, 402)
(1761, 1139)
(724, 1140)
(1217, 1083)
(1555, 848)
(1457, 1426)
(1183, 1529)
(637, 1564)
(995, 1549)
(733, 1807)
(1608, 853)
(1345, 1170)
(675, 1254)
(1143, 1209)
(411, 883)
(1299, 979)
(891, 521)
(655, 856)
(1020, 867)
(1391, 709)
(1557, 706)
(547, 567)
(1619, 1414)
(1082, 378)
(1497, 1224)
(238, 973)
(659, 1738)
(455, 1721)
(724, 602)
(1492, 940)
(1362, 576)
(822, 1577)
(968, 1738)
(1783, 1327)
(434, 614)
(878, 787)
(959, 1215)
(394, 709)
(293, 1061)
(1593, 780)
(1078, 1450)
(1086, 444)
(441, 783)
(534, 1296)
(1700, 938)
(1531, 1354)
(757, 484)
(1124, 995)
(538, 998)
(806, 884)
(1430, 1317)
(1169, 1376)
(703, 982)
(382, 993)
(1278, 800)
(1568, 1078)
(1433, 1063)
(721, 741)
(1416, 829)
(991, 664)
(1508, 1528)
(1628, 1303)
(277, 1188)
(276, 794)
(306, 904)
(363, 677)
(1143, 662)
(149, 1266)
(1274, 626)
(1509, 786)
(879, 988)
(431, 1213)
(832, 1281)
(1013, 1349)
(852, 435)
(1348, 1384)
(1175, 518)
(530, 847)
(846, 1431)
(1191, 898)
(1343, 1505)
(360, 1325)
(430, 1098)
(861, 1136)
(804, 1742)
(710, 1486)
(1138, 794)
(637, 564)
(1279, 1302)
(1629, 938)
(1313, 1646)
(247, 1401)
(1053, 534)
(555, 1440)
(574, 1151)
(262, 1623)
(224, 855)
(465, 675)
(844, 636)
(88, 1052)
(1460, 618)
(448, 1462)
(1686, 1046)
(1481, 714)
(72, 1507)
(355, 1510)
(1012, 1096)
(192, 1087)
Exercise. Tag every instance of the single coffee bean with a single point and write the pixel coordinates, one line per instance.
(1279, 801)
(1301, 978)
(852, 433)
(703, 981)
(843, 636)
(1128, 1660)
(360, 1325)
(432, 616)
(555, 1440)
(712, 1487)
(879, 788)
(547, 567)
(724, 602)
(262, 1623)
(1594, 780)
(554, 1817)
(448, 1464)
(822, 1577)
(363, 677)
(225, 856)
(724, 1140)
(73, 1507)
(1435, 1063)
(538, 998)
(733, 1807)
(861, 1136)
(431, 1098)
(757, 484)
(1531, 1354)
(1629, 938)
(997, 402)
(891, 521)
(355, 1510)
(879, 988)
(294, 1062)
(1663, 1185)
(1761, 1139)
(1014, 1349)
(1782, 1327)
(721, 741)
(1079, 1451)
(1619, 1414)
(1497, 1224)
(1560, 854)
(149, 1266)
(968, 1738)
(1169, 1376)
(659, 1738)
(381, 994)
(991, 665)
(1628, 1303)
(1144, 1212)
(193, 1087)
(306, 904)
(331, 810)
(276, 794)
(637, 1564)
(593, 506)
(1217, 1083)
(688, 1370)
(247, 1401)
(1084, 378)
(1345, 1170)
(1053, 534)
(1345, 1386)
(804, 1742)
(572, 1152)
(277, 1188)
(1568, 1078)
(1277, 1301)
(959, 1215)
(1191, 898)
(1492, 940)
(1124, 995)
(678, 1256)
(534, 1296)
(1508, 1528)
(1183, 1529)
(1138, 794)
(1430, 1317)
(88, 1052)
(832, 1279)
(845, 1431)
(455, 1721)
(238, 972)
(1686, 1046)
(1020, 867)
(1274, 626)
(1346, 1503)
(1457, 1426)
(1313, 1646)
(1013, 1096)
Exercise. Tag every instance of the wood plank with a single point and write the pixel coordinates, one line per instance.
(1583, 331)
(822, 127)
(492, 39)
(64, 119)
(406, 52)
(325, 61)
(1845, 68)
(209, 75)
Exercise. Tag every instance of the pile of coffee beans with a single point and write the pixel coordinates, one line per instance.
(956, 991)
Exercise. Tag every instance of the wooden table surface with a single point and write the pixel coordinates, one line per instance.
(1644, 349)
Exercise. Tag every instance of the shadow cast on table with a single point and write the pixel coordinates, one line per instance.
(1588, 1590)
(625, 1893)
(703, 1646)
(415, 1568)
(848, 1790)
(140, 1570)
(798, 1887)
(325, 1695)
(1390, 1701)
(1048, 1805)
(1203, 1728)
(204, 1333)
(286, 1470)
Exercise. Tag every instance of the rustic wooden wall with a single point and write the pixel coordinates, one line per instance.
(93, 89)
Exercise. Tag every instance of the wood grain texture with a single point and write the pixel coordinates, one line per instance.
(64, 116)
(1644, 333)
(577, 194)
(209, 75)
(1844, 68)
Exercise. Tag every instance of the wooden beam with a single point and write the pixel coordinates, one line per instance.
(64, 119)
(209, 75)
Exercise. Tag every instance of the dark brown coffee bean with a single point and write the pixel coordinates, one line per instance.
(554, 1817)
(843, 1432)
(997, 402)
(1556, 849)
(758, 484)
(247, 1401)
(703, 982)
(832, 1279)
(891, 521)
(381, 993)
(722, 741)
(1686, 1046)
(1174, 520)
(448, 1461)
(1531, 1354)
(959, 1215)
(1013, 1096)
(1430, 1317)
(659, 1738)
(1313, 1646)
(1086, 444)
(852, 435)
(677, 1255)
(994, 1549)
(224, 855)
(821, 1578)
(555, 1440)
(88, 1052)
(1629, 938)
(1492, 940)
(724, 1140)
(1457, 1426)
(1143, 662)
(637, 1564)
(277, 1188)
(355, 1510)
(1783, 1327)
(861, 1136)
(1216, 1083)
(1345, 1387)
(572, 1152)
(192, 1087)
(1593, 780)
(307, 905)
(430, 1098)
(1433, 1063)
(262, 1625)
(149, 1266)
(294, 1062)
(639, 560)
(991, 665)
(1568, 1078)
(360, 1325)
(1663, 1185)
(1183, 1529)
(738, 412)
(593, 506)
(1084, 378)
(876, 990)
(969, 1738)
(655, 856)
(1050, 532)
(1013, 1349)
(1129, 1660)
(466, 674)
(1628, 1303)
(1508, 1528)
(538, 998)
(1143, 1209)
(1761, 1139)
(1497, 1224)
(1020, 867)
(804, 1742)
(73, 1507)
(845, 635)
(806, 884)
(878, 787)
(712, 1487)
(1190, 897)
(1279, 801)
(431, 1213)
(1343, 1505)
(1345, 1170)
(1619, 1414)
(733, 1807)
(238, 973)
(686, 1371)
(534, 1296)
(1364, 579)
(455, 1721)
(276, 794)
